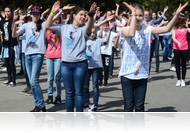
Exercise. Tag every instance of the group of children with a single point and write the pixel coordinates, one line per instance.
(82, 47)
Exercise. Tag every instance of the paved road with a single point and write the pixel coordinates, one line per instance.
(162, 95)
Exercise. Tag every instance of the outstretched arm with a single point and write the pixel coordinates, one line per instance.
(159, 30)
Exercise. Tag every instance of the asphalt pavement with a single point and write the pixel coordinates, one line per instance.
(162, 94)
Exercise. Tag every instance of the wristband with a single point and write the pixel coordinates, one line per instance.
(52, 13)
(90, 14)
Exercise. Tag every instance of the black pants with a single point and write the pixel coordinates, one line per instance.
(180, 58)
(10, 65)
(105, 62)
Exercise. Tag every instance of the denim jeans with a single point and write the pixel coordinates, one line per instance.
(54, 74)
(73, 76)
(111, 62)
(167, 50)
(95, 76)
(134, 92)
(24, 69)
(33, 66)
(155, 48)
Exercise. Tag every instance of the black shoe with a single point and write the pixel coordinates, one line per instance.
(49, 100)
(20, 74)
(38, 109)
(106, 84)
(100, 83)
(57, 100)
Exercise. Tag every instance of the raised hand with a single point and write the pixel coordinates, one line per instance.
(56, 6)
(130, 7)
(68, 7)
(165, 9)
(93, 8)
(15, 17)
(180, 8)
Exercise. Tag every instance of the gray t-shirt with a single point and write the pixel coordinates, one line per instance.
(73, 42)
(35, 41)
(93, 52)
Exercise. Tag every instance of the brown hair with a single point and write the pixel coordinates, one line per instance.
(181, 21)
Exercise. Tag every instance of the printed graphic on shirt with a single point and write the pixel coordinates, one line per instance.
(89, 53)
(5, 26)
(70, 40)
(136, 56)
(33, 37)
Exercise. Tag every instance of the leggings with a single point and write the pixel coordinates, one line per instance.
(10, 65)
(180, 58)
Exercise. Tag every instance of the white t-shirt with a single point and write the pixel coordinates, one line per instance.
(107, 49)
(35, 41)
(93, 52)
(136, 55)
(118, 29)
(73, 42)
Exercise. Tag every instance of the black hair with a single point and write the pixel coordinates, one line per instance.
(76, 11)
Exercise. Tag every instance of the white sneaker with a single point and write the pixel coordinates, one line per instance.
(172, 69)
(183, 83)
(178, 83)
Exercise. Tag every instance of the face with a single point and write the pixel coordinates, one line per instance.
(139, 17)
(57, 21)
(79, 18)
(146, 15)
(8, 13)
(154, 16)
(35, 16)
(93, 33)
(109, 13)
(105, 27)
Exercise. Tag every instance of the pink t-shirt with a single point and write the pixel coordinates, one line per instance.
(54, 45)
(181, 36)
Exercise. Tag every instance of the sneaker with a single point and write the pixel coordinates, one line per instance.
(20, 73)
(172, 69)
(182, 83)
(25, 90)
(28, 92)
(38, 109)
(6, 83)
(57, 100)
(49, 100)
(100, 83)
(93, 109)
(11, 84)
(86, 106)
(3, 68)
(178, 83)
(105, 84)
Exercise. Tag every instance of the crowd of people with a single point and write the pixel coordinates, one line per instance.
(79, 45)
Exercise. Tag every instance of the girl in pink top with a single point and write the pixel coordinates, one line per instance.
(180, 46)
(53, 63)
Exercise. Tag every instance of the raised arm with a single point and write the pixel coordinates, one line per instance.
(159, 30)
(131, 31)
(117, 12)
(91, 13)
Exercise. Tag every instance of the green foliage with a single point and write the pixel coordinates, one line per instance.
(104, 4)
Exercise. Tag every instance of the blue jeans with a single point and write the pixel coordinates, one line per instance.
(167, 50)
(73, 76)
(95, 76)
(24, 70)
(54, 74)
(33, 66)
(134, 92)
(111, 62)
(155, 48)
